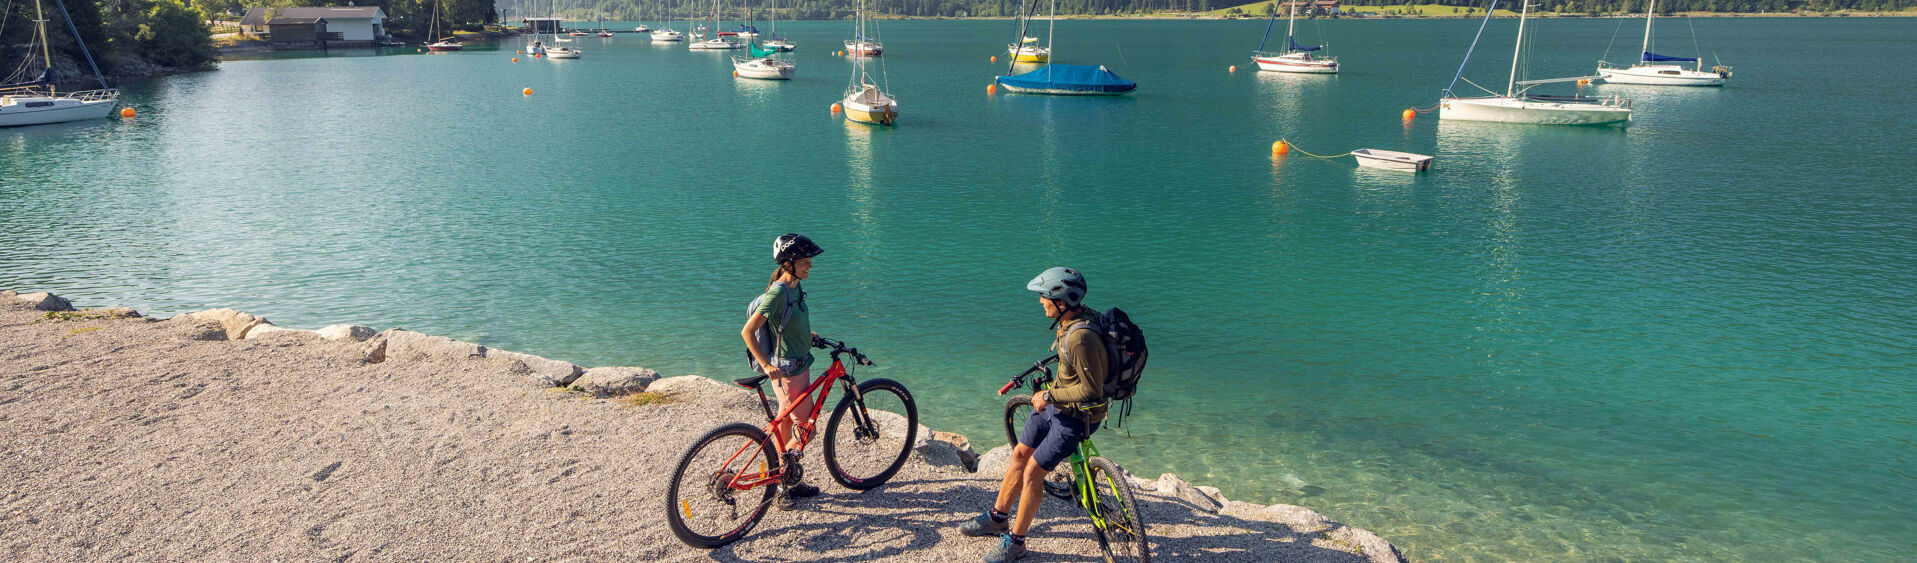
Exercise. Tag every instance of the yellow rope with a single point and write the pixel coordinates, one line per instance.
(1294, 146)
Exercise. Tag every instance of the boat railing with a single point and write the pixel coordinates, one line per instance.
(94, 95)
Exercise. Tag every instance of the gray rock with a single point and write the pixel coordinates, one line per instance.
(708, 393)
(44, 301)
(408, 345)
(236, 323)
(265, 330)
(994, 461)
(1214, 493)
(957, 446)
(606, 382)
(344, 332)
(1171, 485)
(553, 373)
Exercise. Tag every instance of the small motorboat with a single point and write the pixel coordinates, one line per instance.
(605, 34)
(577, 33)
(642, 29)
(563, 53)
(667, 34)
(1392, 160)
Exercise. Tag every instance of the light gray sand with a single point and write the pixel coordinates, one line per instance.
(162, 440)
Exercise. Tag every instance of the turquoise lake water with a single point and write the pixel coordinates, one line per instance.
(1688, 339)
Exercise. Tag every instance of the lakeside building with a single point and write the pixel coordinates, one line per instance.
(542, 24)
(1310, 7)
(327, 27)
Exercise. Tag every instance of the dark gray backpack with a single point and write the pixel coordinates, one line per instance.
(766, 338)
(1125, 355)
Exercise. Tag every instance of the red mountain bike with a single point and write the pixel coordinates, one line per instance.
(711, 501)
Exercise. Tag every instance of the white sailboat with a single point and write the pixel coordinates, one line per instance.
(716, 42)
(536, 47)
(772, 40)
(862, 45)
(449, 43)
(1295, 57)
(1519, 106)
(864, 102)
(562, 51)
(1661, 70)
(38, 101)
(666, 32)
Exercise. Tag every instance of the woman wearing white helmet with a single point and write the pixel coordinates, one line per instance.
(789, 362)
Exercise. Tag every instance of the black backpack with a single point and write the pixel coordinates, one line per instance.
(1125, 354)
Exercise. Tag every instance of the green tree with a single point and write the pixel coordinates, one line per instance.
(175, 34)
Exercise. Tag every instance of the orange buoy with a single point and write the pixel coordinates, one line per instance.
(527, 92)
(1280, 147)
(519, 52)
(991, 89)
(836, 108)
(127, 112)
(994, 58)
(1584, 82)
(515, 59)
(1410, 114)
(1234, 68)
(735, 74)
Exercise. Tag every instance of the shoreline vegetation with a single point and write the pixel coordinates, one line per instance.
(217, 434)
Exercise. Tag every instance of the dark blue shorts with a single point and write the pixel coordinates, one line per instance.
(1054, 436)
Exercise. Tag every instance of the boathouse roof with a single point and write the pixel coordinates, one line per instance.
(257, 15)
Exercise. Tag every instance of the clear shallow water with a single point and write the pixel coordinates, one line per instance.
(1689, 339)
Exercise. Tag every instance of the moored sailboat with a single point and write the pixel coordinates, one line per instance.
(1660, 70)
(39, 101)
(772, 40)
(1295, 57)
(763, 65)
(864, 102)
(1518, 105)
(449, 43)
(1063, 79)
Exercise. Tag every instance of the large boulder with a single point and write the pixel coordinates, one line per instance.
(236, 323)
(703, 391)
(357, 333)
(403, 344)
(42, 301)
(606, 382)
(994, 461)
(945, 449)
(1172, 486)
(553, 373)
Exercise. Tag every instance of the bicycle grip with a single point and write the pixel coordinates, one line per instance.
(1008, 386)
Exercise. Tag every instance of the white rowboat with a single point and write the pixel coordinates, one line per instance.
(1392, 160)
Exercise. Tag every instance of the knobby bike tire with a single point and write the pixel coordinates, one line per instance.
(838, 422)
(677, 501)
(1122, 538)
(1017, 409)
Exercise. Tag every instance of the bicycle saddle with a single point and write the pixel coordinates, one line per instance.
(751, 382)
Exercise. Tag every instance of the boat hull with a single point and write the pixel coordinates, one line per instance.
(659, 36)
(780, 46)
(1661, 75)
(715, 45)
(443, 48)
(886, 112)
(63, 110)
(758, 70)
(1276, 64)
(1392, 160)
(1029, 54)
(563, 54)
(1508, 110)
(1063, 91)
(856, 49)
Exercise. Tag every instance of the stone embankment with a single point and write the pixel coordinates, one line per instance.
(220, 435)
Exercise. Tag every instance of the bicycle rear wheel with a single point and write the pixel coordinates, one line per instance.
(869, 436)
(701, 506)
(1121, 530)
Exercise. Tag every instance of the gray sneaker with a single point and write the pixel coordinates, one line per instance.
(1007, 551)
(984, 525)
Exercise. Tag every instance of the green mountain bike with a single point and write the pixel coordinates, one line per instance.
(1094, 483)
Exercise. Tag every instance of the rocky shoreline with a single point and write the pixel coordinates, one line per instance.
(218, 434)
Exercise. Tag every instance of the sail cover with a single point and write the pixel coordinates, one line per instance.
(1296, 47)
(1069, 79)
(45, 78)
(757, 52)
(1651, 57)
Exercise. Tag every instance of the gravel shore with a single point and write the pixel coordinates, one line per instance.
(206, 437)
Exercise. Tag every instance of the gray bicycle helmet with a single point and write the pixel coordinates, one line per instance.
(1060, 284)
(793, 246)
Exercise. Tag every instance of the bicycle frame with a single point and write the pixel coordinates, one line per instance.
(765, 476)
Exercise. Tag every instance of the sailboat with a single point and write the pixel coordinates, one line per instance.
(763, 65)
(722, 41)
(1027, 49)
(862, 45)
(1065, 80)
(666, 32)
(865, 102)
(449, 43)
(772, 40)
(1295, 58)
(536, 47)
(1519, 106)
(1653, 69)
(38, 101)
(603, 32)
(562, 51)
(746, 30)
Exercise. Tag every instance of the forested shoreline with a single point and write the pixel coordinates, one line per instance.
(625, 10)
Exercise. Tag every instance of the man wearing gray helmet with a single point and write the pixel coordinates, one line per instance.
(1062, 416)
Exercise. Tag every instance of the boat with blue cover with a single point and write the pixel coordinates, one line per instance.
(1070, 80)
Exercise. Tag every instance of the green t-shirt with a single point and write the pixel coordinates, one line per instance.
(795, 341)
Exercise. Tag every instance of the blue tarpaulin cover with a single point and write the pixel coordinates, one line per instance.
(1651, 57)
(1296, 47)
(1091, 79)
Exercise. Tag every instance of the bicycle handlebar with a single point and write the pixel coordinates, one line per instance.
(838, 347)
(1020, 378)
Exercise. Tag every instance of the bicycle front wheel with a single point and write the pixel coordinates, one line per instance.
(1017, 409)
(870, 435)
(702, 506)
(1121, 530)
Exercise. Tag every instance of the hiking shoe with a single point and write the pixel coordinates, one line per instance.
(1007, 551)
(785, 499)
(984, 525)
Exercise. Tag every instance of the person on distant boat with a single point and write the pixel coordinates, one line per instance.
(789, 362)
(1062, 416)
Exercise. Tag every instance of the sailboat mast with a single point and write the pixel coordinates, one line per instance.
(40, 26)
(1051, 25)
(1291, 25)
(1649, 8)
(1512, 85)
